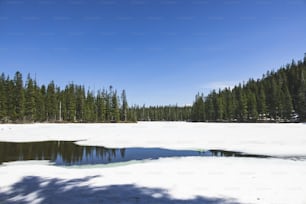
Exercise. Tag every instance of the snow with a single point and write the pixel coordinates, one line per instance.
(266, 139)
(167, 180)
(242, 180)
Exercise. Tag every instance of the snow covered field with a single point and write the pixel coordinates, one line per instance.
(167, 180)
(270, 139)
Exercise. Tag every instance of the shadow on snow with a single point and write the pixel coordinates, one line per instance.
(43, 190)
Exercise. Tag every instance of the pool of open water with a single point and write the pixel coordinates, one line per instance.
(67, 153)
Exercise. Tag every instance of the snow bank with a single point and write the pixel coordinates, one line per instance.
(168, 180)
(266, 139)
(175, 180)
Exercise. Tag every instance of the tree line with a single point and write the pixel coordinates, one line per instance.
(277, 96)
(162, 113)
(29, 102)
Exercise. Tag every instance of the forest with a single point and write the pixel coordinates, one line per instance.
(279, 96)
(23, 102)
(30, 102)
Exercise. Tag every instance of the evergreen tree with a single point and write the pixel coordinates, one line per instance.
(301, 94)
(18, 97)
(3, 103)
(10, 102)
(219, 106)
(40, 101)
(198, 109)
(242, 105)
(132, 114)
(115, 107)
(80, 102)
(30, 106)
(70, 103)
(124, 107)
(252, 107)
(274, 98)
(63, 103)
(108, 102)
(90, 107)
(100, 103)
(262, 108)
(59, 107)
(51, 103)
(286, 103)
(210, 110)
(229, 105)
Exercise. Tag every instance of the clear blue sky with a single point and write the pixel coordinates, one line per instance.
(160, 51)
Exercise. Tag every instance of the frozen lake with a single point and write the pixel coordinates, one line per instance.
(153, 162)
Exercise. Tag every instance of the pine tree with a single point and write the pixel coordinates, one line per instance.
(63, 103)
(40, 101)
(80, 102)
(3, 107)
(198, 109)
(90, 115)
(301, 93)
(100, 103)
(252, 107)
(115, 107)
(51, 103)
(220, 106)
(262, 108)
(108, 102)
(287, 103)
(18, 96)
(274, 98)
(30, 106)
(124, 106)
(210, 110)
(201, 105)
(132, 114)
(242, 105)
(70, 102)
(59, 105)
(10, 99)
(227, 104)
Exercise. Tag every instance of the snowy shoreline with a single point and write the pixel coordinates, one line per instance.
(175, 180)
(261, 139)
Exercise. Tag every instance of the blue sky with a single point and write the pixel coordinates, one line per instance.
(160, 51)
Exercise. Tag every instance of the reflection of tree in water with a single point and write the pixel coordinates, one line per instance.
(221, 153)
(68, 151)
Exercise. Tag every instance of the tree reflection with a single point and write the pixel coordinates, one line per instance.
(63, 152)
(68, 153)
(220, 153)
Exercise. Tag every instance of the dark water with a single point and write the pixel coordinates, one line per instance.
(67, 153)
